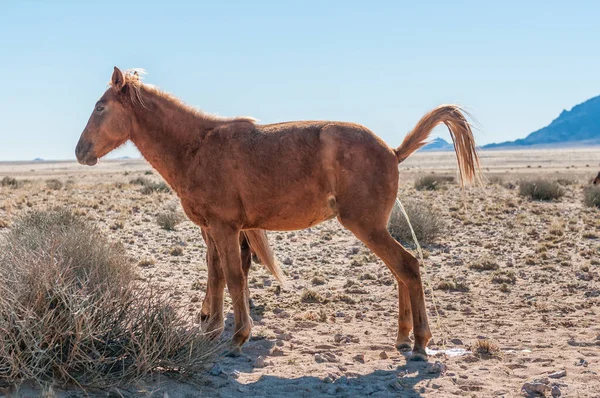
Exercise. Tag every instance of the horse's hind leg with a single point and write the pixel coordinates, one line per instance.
(405, 268)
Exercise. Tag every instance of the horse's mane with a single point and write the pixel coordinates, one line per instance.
(133, 79)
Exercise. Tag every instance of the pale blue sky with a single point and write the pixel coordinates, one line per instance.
(514, 64)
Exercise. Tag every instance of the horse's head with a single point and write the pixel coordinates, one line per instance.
(596, 180)
(111, 122)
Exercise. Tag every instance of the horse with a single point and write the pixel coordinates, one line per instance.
(596, 180)
(233, 174)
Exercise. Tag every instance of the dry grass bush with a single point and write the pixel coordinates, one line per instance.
(71, 311)
(540, 189)
(591, 196)
(432, 182)
(155, 187)
(168, 220)
(426, 223)
(10, 182)
(54, 184)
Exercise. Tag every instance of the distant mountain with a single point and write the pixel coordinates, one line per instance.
(439, 144)
(579, 126)
(38, 160)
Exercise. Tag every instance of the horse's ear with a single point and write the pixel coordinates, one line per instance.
(117, 81)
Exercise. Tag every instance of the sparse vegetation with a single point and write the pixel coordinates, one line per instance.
(426, 223)
(486, 349)
(432, 182)
(485, 263)
(155, 187)
(591, 196)
(54, 184)
(311, 296)
(503, 277)
(540, 189)
(10, 182)
(168, 220)
(453, 285)
(71, 312)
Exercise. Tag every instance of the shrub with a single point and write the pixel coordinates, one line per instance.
(168, 220)
(140, 181)
(591, 196)
(541, 189)
(485, 263)
(432, 182)
(155, 187)
(9, 182)
(54, 184)
(71, 310)
(426, 223)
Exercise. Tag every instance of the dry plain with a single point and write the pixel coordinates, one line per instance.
(542, 318)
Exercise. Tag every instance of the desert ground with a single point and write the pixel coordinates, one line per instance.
(529, 314)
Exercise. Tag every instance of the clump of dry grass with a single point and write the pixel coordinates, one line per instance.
(540, 189)
(168, 220)
(71, 311)
(485, 263)
(54, 184)
(432, 182)
(426, 223)
(591, 196)
(503, 277)
(311, 296)
(149, 187)
(486, 349)
(452, 285)
(10, 182)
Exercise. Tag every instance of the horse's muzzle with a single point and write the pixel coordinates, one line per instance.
(84, 153)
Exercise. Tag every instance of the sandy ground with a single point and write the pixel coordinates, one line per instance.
(544, 321)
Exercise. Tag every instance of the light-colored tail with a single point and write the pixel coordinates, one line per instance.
(257, 239)
(460, 131)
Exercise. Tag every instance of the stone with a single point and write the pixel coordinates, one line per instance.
(555, 391)
(558, 374)
(536, 388)
(383, 355)
(359, 358)
(436, 368)
(260, 362)
(216, 370)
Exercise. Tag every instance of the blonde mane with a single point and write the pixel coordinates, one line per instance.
(133, 79)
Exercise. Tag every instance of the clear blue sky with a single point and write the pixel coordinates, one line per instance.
(514, 64)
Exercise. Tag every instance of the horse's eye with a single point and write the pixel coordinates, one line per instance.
(99, 108)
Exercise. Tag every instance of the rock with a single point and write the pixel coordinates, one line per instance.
(260, 362)
(288, 261)
(558, 374)
(582, 362)
(359, 358)
(436, 386)
(456, 341)
(277, 352)
(383, 355)
(327, 379)
(555, 391)
(436, 368)
(536, 387)
(325, 357)
(216, 370)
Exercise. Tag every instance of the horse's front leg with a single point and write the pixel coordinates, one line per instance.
(212, 306)
(227, 241)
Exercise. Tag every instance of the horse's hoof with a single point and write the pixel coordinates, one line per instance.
(418, 356)
(204, 317)
(234, 352)
(404, 345)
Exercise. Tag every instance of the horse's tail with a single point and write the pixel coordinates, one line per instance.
(257, 239)
(460, 131)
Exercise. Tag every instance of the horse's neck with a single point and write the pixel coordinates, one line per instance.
(165, 132)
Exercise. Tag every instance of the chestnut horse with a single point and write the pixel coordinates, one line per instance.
(596, 180)
(233, 175)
